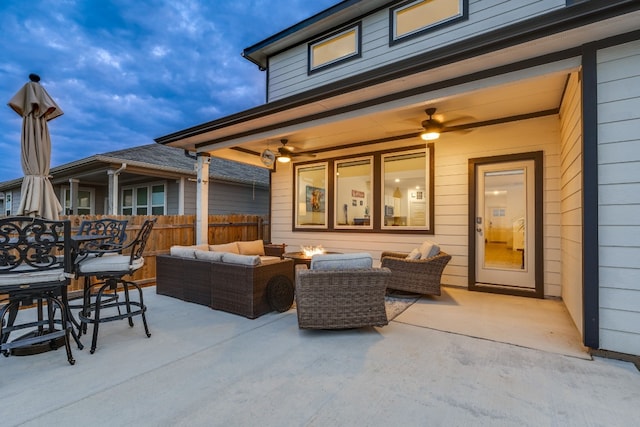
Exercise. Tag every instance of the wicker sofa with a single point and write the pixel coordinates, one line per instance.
(246, 289)
(421, 276)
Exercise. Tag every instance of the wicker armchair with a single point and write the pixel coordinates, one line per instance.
(341, 299)
(421, 276)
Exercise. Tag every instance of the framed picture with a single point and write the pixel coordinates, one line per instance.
(354, 202)
(314, 199)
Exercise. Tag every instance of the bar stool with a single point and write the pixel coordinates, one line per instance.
(111, 271)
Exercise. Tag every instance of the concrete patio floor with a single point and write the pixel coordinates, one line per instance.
(205, 367)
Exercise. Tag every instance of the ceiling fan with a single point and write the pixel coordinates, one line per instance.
(432, 128)
(284, 154)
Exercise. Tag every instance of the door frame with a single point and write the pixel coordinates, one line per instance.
(537, 157)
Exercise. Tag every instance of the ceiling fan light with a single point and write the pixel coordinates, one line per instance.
(284, 159)
(430, 135)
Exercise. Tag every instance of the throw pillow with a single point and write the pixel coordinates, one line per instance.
(209, 255)
(414, 254)
(255, 247)
(232, 258)
(225, 247)
(425, 248)
(341, 261)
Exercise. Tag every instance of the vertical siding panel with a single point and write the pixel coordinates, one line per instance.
(619, 205)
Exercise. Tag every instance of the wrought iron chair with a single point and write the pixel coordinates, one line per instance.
(111, 270)
(35, 266)
(111, 233)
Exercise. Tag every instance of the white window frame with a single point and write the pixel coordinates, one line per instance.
(8, 201)
(149, 205)
(334, 37)
(394, 37)
(92, 203)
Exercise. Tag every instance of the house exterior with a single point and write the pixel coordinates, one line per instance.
(149, 180)
(537, 108)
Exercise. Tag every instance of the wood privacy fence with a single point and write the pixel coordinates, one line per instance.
(172, 230)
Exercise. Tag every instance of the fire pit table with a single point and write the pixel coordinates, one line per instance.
(302, 258)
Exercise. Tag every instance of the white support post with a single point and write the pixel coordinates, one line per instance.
(181, 183)
(202, 199)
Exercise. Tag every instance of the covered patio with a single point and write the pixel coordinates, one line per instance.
(207, 367)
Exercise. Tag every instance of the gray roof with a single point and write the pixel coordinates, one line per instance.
(165, 156)
(158, 156)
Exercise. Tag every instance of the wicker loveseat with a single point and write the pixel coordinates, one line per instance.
(421, 276)
(227, 283)
(332, 297)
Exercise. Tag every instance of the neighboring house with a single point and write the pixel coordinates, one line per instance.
(150, 180)
(538, 110)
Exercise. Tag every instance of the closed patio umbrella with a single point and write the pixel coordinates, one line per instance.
(36, 107)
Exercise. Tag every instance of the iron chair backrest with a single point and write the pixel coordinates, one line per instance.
(115, 229)
(138, 245)
(29, 246)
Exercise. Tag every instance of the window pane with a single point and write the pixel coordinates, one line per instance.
(406, 190)
(141, 211)
(141, 196)
(127, 198)
(157, 210)
(127, 211)
(353, 193)
(310, 200)
(84, 199)
(421, 14)
(157, 195)
(335, 48)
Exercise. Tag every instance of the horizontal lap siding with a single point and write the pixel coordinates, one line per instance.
(452, 153)
(618, 194)
(288, 70)
(571, 199)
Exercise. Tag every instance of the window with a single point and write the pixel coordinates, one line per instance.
(7, 204)
(335, 48)
(353, 180)
(384, 191)
(415, 17)
(311, 187)
(406, 190)
(144, 200)
(84, 202)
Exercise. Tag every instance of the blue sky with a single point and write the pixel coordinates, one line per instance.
(125, 72)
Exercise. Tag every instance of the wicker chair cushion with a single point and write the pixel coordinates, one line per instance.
(32, 277)
(209, 255)
(428, 249)
(187, 251)
(232, 258)
(225, 247)
(109, 263)
(255, 247)
(341, 261)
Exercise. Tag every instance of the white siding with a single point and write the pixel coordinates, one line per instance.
(288, 70)
(619, 197)
(571, 199)
(452, 153)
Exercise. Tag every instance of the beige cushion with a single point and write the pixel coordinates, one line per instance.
(183, 251)
(414, 254)
(32, 277)
(266, 259)
(209, 255)
(255, 247)
(232, 258)
(341, 261)
(225, 247)
(109, 264)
